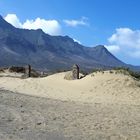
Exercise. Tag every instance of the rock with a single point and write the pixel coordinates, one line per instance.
(75, 71)
(74, 74)
(16, 69)
(34, 73)
(28, 70)
(39, 123)
(1, 70)
(69, 76)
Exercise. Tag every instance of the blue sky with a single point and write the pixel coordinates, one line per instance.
(113, 23)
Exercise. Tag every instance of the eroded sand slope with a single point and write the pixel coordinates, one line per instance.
(100, 87)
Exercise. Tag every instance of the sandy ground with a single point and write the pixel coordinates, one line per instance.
(99, 88)
(100, 107)
(6, 73)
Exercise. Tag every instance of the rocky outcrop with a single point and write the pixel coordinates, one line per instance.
(27, 71)
(16, 69)
(74, 74)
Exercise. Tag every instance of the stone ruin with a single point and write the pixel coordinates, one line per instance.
(75, 71)
(25, 70)
(74, 74)
(28, 70)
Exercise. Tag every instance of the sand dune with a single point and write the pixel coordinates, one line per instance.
(98, 87)
(101, 106)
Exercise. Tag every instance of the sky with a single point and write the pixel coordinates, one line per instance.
(113, 23)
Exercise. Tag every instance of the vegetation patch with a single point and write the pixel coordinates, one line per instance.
(127, 71)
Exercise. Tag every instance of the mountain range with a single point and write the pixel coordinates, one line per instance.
(49, 53)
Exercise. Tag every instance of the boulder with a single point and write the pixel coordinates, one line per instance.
(74, 74)
(69, 76)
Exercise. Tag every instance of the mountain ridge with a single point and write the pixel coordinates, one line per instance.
(46, 52)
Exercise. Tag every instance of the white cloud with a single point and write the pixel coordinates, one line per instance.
(125, 41)
(13, 19)
(48, 26)
(113, 48)
(126, 37)
(74, 23)
(51, 27)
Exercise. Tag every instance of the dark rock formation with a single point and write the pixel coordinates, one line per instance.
(28, 70)
(16, 69)
(75, 71)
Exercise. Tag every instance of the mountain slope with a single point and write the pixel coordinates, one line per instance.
(42, 51)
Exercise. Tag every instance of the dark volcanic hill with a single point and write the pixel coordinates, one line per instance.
(42, 51)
